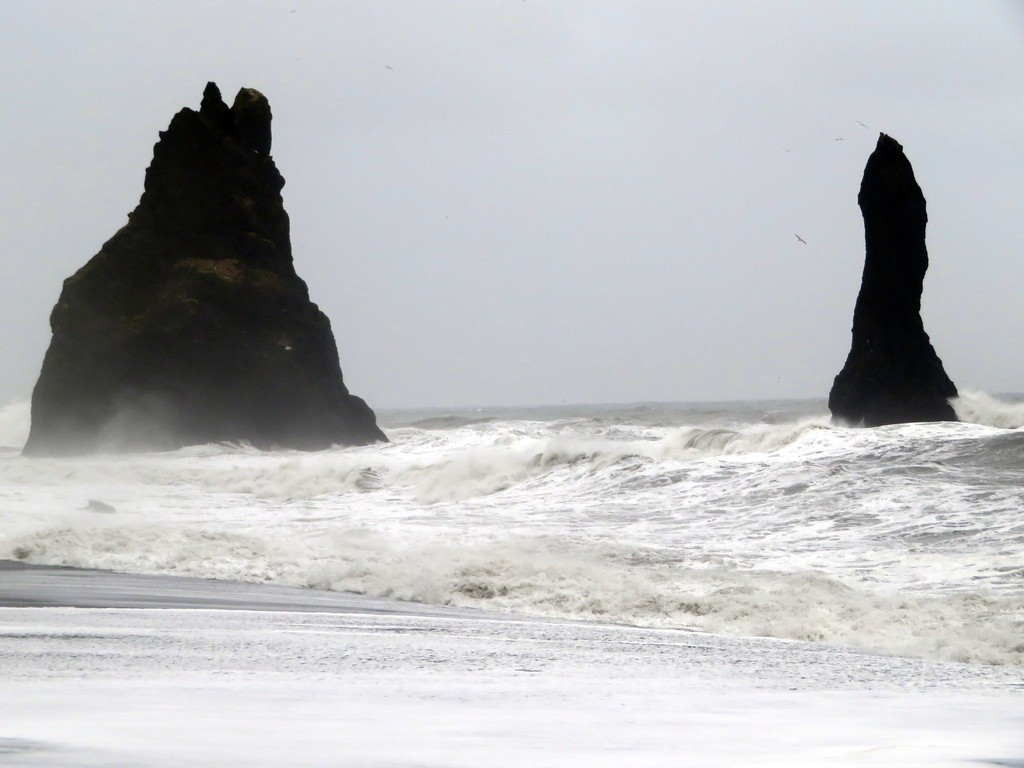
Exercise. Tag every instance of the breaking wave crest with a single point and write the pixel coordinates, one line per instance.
(436, 467)
(560, 579)
(980, 408)
(903, 539)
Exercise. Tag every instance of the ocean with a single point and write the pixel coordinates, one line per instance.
(739, 519)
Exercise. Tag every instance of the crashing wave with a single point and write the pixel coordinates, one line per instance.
(981, 408)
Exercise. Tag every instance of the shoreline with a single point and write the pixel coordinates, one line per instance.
(262, 675)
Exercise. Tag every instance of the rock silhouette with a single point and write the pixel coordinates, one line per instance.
(892, 374)
(190, 325)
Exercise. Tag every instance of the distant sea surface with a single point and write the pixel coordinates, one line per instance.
(744, 518)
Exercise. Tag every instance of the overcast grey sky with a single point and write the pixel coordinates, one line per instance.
(509, 202)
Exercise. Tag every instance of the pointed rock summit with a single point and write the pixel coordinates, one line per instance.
(892, 374)
(190, 325)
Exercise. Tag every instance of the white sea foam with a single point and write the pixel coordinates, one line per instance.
(901, 539)
(981, 408)
(14, 423)
(113, 688)
(557, 578)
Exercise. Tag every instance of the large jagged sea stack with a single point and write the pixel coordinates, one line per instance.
(190, 325)
(892, 374)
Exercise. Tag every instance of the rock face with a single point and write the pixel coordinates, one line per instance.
(190, 325)
(892, 374)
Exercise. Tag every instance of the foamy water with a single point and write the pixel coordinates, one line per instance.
(754, 519)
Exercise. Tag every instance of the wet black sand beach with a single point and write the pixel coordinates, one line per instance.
(23, 585)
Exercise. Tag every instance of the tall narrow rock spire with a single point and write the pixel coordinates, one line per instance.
(892, 374)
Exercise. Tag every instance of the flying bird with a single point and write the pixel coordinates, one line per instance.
(800, 238)
(862, 125)
(389, 67)
(839, 139)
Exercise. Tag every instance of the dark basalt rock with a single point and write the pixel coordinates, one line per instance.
(190, 325)
(892, 374)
